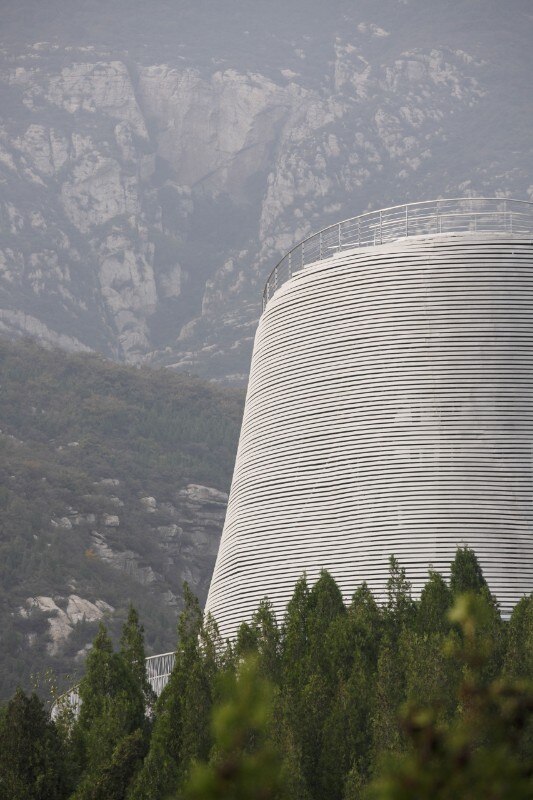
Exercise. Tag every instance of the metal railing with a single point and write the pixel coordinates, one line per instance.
(455, 215)
(158, 670)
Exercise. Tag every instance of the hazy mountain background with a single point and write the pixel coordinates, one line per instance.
(157, 158)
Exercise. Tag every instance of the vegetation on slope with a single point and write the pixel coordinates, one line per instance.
(82, 442)
(429, 700)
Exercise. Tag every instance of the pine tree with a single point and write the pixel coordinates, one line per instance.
(388, 697)
(399, 618)
(431, 678)
(327, 617)
(466, 574)
(218, 656)
(482, 754)
(314, 708)
(31, 759)
(112, 708)
(354, 785)
(268, 641)
(247, 764)
(181, 727)
(246, 640)
(400, 607)
(111, 782)
(347, 734)
(133, 654)
(296, 636)
(312, 702)
(519, 651)
(99, 683)
(292, 777)
(295, 667)
(435, 602)
(354, 636)
(366, 621)
(355, 640)
(518, 662)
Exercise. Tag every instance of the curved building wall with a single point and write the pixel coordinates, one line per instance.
(389, 411)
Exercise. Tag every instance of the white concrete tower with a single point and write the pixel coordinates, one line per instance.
(389, 409)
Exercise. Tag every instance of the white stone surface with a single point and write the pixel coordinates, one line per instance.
(149, 503)
(61, 621)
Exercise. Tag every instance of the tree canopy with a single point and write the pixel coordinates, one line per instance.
(428, 699)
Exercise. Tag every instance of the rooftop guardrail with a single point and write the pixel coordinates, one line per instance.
(455, 215)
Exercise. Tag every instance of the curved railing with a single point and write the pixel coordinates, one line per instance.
(158, 670)
(455, 215)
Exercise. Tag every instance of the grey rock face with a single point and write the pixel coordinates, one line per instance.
(191, 541)
(144, 198)
(61, 620)
(170, 553)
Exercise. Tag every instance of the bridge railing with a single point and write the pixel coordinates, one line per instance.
(455, 215)
(158, 670)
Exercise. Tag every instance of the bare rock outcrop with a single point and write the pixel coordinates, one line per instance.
(62, 618)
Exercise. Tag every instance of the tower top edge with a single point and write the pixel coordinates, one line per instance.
(386, 225)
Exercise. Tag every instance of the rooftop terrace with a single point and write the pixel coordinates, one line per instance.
(433, 217)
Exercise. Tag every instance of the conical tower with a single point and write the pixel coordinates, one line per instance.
(389, 408)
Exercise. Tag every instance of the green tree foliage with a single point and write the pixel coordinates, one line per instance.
(32, 762)
(408, 699)
(347, 731)
(108, 738)
(429, 676)
(296, 628)
(388, 696)
(311, 634)
(326, 617)
(268, 641)
(390, 686)
(246, 642)
(111, 781)
(133, 654)
(519, 654)
(480, 754)
(245, 764)
(466, 574)
(435, 602)
(181, 728)
(400, 607)
(292, 777)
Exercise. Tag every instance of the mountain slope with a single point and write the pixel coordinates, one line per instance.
(113, 485)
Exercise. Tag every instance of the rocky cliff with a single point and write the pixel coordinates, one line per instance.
(155, 163)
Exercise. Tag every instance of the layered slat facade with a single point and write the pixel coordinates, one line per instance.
(389, 411)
